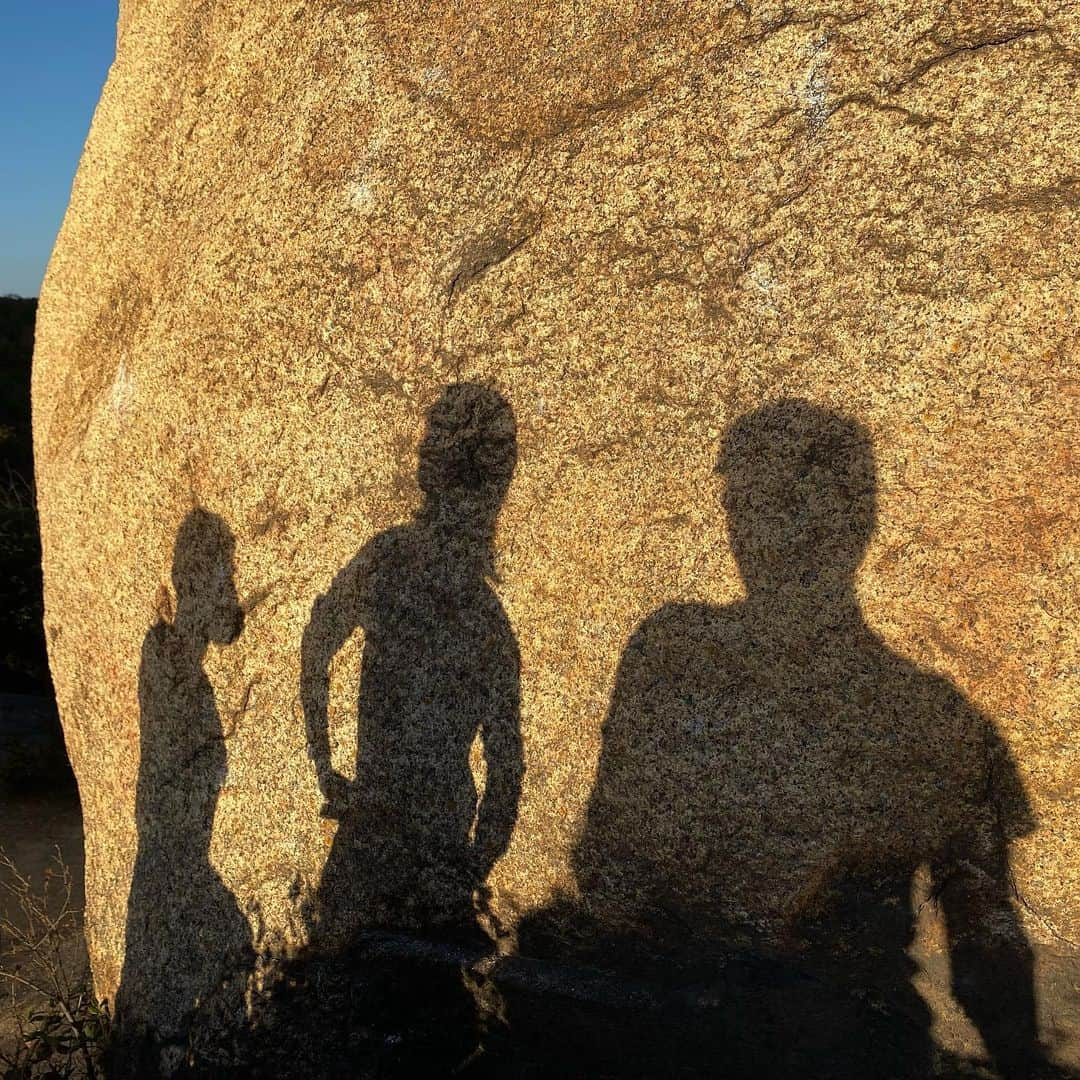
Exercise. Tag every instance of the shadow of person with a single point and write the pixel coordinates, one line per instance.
(188, 946)
(778, 791)
(440, 670)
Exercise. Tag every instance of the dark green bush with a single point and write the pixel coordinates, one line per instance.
(23, 665)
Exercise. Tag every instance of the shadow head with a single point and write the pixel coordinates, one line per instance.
(207, 607)
(799, 494)
(469, 450)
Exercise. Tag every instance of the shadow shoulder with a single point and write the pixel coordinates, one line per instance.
(158, 658)
(970, 746)
(692, 624)
(160, 635)
(379, 554)
(384, 547)
(935, 700)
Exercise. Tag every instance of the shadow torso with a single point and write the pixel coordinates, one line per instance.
(762, 789)
(440, 669)
(188, 945)
(744, 773)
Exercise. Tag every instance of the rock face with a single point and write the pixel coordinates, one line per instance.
(637, 438)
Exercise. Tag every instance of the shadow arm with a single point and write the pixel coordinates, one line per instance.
(334, 616)
(992, 962)
(505, 763)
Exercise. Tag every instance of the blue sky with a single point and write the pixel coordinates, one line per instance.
(54, 56)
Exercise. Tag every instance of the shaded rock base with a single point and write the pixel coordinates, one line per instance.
(399, 1006)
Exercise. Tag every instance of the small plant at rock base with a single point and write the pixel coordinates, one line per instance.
(57, 1028)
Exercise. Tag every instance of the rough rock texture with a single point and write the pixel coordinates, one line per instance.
(837, 242)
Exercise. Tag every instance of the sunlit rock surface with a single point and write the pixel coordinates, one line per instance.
(666, 406)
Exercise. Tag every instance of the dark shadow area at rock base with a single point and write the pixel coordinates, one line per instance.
(188, 951)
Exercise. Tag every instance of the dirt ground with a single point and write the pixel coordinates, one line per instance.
(34, 826)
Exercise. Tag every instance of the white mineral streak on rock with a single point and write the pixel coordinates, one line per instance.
(813, 93)
(122, 392)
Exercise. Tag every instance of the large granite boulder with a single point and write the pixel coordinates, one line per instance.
(589, 483)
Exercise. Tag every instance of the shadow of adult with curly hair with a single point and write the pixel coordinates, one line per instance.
(188, 947)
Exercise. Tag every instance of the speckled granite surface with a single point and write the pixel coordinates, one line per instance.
(598, 668)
